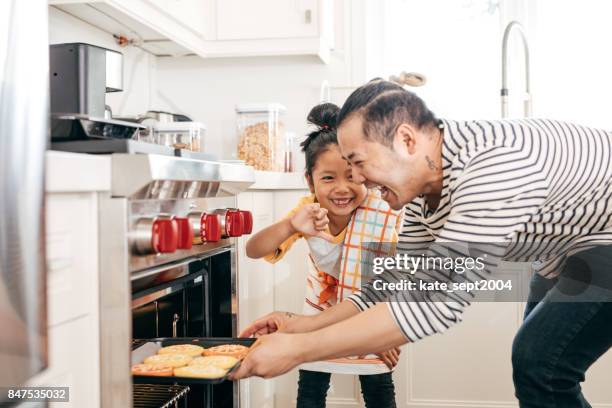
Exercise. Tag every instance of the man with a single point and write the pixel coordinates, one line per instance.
(531, 181)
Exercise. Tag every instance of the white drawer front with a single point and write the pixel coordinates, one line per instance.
(72, 256)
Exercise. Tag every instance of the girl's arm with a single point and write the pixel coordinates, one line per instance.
(309, 220)
(269, 239)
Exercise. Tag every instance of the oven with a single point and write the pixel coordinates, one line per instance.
(168, 270)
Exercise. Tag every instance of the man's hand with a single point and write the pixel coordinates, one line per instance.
(270, 323)
(311, 220)
(270, 356)
(390, 357)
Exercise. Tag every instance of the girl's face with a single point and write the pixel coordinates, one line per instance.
(333, 185)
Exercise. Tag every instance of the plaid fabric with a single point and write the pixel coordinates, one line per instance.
(371, 232)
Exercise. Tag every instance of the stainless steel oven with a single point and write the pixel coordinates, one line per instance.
(168, 263)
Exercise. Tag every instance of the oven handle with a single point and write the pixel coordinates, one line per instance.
(175, 320)
(156, 270)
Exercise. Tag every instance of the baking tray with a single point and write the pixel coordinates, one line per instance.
(144, 348)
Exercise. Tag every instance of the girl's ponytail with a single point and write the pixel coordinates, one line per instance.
(323, 116)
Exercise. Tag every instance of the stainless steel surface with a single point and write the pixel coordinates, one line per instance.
(110, 146)
(516, 26)
(124, 272)
(82, 116)
(158, 396)
(222, 213)
(70, 127)
(81, 75)
(141, 237)
(235, 322)
(162, 177)
(114, 71)
(195, 220)
(139, 209)
(165, 117)
(24, 125)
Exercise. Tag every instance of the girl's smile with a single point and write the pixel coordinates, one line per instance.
(332, 184)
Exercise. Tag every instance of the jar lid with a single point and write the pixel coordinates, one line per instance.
(260, 108)
(179, 126)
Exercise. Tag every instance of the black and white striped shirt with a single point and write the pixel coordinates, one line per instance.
(541, 182)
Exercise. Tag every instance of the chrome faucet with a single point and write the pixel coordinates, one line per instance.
(504, 89)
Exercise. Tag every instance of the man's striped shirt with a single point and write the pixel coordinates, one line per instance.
(543, 183)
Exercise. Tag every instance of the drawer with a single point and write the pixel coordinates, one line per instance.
(72, 256)
(74, 362)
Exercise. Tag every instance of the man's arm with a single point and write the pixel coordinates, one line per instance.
(292, 323)
(371, 331)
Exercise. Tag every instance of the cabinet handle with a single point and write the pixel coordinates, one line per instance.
(308, 16)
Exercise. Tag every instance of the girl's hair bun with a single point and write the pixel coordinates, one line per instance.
(324, 116)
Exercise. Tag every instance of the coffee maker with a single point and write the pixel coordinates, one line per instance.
(80, 76)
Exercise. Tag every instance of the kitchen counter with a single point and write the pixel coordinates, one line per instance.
(267, 180)
(75, 172)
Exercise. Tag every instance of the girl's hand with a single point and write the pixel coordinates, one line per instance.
(270, 323)
(390, 357)
(312, 220)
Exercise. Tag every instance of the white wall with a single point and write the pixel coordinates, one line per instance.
(138, 66)
(572, 63)
(455, 44)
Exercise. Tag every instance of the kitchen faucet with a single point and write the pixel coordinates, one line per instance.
(504, 88)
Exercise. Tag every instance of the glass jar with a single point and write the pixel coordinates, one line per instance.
(261, 135)
(181, 135)
(290, 151)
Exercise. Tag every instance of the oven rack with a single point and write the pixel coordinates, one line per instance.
(158, 395)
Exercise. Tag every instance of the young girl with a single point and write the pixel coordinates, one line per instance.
(341, 222)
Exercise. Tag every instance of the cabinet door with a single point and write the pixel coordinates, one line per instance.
(188, 12)
(247, 19)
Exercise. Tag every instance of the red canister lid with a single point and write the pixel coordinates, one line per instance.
(185, 233)
(164, 236)
(210, 230)
(234, 223)
(247, 221)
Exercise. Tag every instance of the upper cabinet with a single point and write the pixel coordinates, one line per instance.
(214, 28)
(266, 19)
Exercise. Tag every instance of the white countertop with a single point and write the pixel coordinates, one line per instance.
(267, 180)
(75, 172)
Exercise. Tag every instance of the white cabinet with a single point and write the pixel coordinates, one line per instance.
(72, 298)
(162, 27)
(214, 28)
(253, 20)
(270, 27)
(73, 182)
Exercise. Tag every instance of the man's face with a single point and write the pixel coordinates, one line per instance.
(376, 165)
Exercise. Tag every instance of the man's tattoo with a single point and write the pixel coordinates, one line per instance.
(289, 315)
(431, 163)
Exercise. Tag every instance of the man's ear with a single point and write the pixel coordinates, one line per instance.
(309, 181)
(405, 138)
